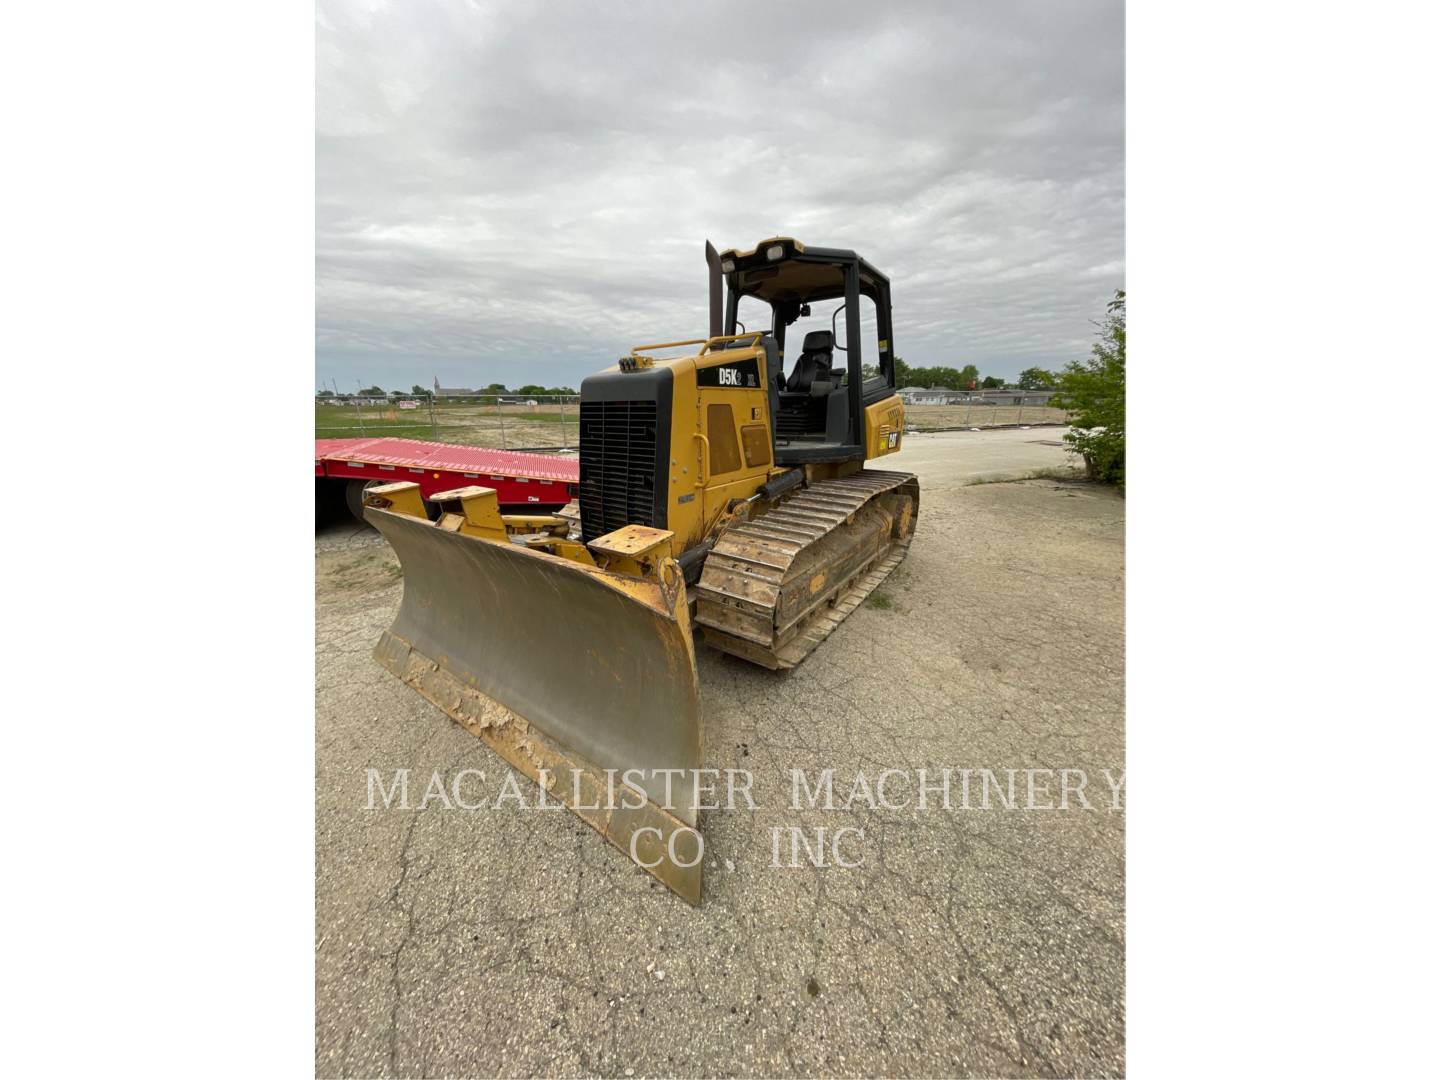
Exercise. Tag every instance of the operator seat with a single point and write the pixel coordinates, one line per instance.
(815, 362)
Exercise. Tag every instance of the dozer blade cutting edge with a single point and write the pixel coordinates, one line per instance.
(582, 679)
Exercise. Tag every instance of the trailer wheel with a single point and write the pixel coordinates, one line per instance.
(355, 499)
(355, 496)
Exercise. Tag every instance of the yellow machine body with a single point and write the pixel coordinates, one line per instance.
(721, 445)
(716, 494)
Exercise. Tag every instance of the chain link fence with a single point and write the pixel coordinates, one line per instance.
(1008, 408)
(552, 421)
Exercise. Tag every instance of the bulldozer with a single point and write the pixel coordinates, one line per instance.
(721, 498)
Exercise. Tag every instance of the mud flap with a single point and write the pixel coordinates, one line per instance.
(582, 679)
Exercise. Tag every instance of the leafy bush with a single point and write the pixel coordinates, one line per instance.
(1094, 391)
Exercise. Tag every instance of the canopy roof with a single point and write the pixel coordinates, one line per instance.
(783, 270)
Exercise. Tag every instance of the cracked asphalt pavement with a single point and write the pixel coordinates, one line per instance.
(500, 942)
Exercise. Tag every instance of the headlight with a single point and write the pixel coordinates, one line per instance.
(727, 266)
(776, 253)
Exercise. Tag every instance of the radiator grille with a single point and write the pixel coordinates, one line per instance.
(617, 465)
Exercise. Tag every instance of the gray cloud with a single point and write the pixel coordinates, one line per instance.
(518, 192)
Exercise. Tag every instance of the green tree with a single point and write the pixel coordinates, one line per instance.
(1094, 390)
(947, 377)
(372, 391)
(531, 390)
(326, 393)
(992, 383)
(419, 391)
(1036, 378)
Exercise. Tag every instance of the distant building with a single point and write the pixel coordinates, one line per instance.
(1013, 395)
(454, 391)
(933, 395)
(922, 395)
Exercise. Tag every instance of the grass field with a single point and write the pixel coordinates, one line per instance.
(520, 426)
(514, 426)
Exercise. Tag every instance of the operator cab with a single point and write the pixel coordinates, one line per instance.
(818, 405)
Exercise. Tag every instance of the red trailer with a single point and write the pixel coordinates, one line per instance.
(526, 482)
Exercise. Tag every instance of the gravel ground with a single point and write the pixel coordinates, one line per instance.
(498, 942)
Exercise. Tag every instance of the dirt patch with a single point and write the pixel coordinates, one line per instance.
(345, 572)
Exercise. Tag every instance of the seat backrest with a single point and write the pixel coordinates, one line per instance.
(816, 360)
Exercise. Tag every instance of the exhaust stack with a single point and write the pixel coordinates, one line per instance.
(717, 291)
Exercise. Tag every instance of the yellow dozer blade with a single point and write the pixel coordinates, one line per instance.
(582, 679)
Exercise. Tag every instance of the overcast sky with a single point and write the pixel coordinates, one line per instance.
(517, 192)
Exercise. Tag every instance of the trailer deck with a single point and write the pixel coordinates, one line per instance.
(521, 479)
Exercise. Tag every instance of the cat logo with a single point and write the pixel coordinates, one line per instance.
(729, 377)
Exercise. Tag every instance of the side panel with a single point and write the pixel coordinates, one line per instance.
(732, 401)
(686, 493)
(884, 427)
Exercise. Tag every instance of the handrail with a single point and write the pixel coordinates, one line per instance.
(703, 479)
(756, 334)
(706, 342)
(666, 345)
